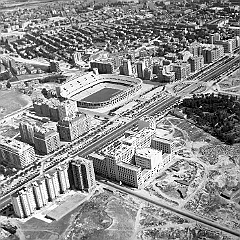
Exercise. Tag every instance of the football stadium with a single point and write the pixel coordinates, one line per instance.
(99, 90)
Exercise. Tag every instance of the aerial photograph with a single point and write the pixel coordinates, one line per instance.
(119, 119)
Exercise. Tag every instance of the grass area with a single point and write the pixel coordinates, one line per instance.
(11, 101)
(102, 95)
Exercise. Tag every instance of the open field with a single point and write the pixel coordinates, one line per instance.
(11, 101)
(106, 217)
(180, 180)
(216, 193)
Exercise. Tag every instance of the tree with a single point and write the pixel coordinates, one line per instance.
(8, 85)
(44, 91)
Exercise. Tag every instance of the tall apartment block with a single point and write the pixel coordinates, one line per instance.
(16, 153)
(196, 63)
(212, 53)
(53, 109)
(140, 69)
(196, 49)
(40, 193)
(83, 174)
(46, 140)
(126, 67)
(47, 108)
(228, 45)
(71, 128)
(53, 184)
(21, 204)
(26, 129)
(63, 178)
(37, 194)
(67, 108)
(181, 69)
(148, 73)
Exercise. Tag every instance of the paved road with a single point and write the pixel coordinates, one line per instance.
(184, 213)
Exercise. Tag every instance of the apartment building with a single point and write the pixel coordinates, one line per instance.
(181, 69)
(16, 153)
(162, 144)
(196, 63)
(147, 158)
(83, 174)
(67, 108)
(38, 193)
(46, 140)
(129, 174)
(71, 128)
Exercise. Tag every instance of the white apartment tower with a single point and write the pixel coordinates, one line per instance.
(127, 67)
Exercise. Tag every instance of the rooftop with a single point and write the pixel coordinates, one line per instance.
(129, 166)
(147, 152)
(97, 156)
(163, 140)
(14, 144)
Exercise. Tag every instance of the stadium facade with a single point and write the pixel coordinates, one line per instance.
(117, 88)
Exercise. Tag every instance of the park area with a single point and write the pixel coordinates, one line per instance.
(11, 101)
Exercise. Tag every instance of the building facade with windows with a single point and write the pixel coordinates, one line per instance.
(46, 140)
(38, 193)
(16, 153)
(83, 174)
(71, 128)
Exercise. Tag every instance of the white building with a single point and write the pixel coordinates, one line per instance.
(148, 158)
(127, 67)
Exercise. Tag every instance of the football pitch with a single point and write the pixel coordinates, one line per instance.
(102, 95)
